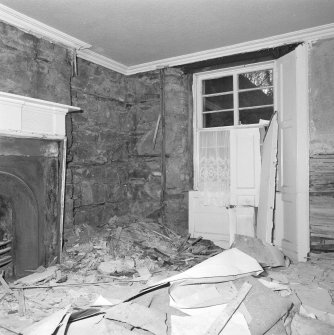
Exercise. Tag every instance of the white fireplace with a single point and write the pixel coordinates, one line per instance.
(32, 181)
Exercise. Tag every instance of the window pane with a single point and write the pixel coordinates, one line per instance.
(220, 119)
(219, 85)
(256, 79)
(218, 102)
(251, 116)
(256, 98)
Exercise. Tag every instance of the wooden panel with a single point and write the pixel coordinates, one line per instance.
(293, 152)
(265, 224)
(32, 117)
(10, 116)
(245, 167)
(36, 120)
(245, 221)
(322, 216)
(321, 198)
(209, 221)
(322, 173)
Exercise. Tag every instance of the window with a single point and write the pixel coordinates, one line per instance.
(227, 101)
(234, 97)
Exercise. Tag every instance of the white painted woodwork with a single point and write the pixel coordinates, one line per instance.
(209, 221)
(304, 35)
(242, 222)
(293, 154)
(245, 167)
(278, 219)
(169, 51)
(28, 117)
(265, 218)
(218, 223)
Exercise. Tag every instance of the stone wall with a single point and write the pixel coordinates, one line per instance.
(33, 67)
(113, 168)
(179, 147)
(100, 146)
(36, 68)
(145, 90)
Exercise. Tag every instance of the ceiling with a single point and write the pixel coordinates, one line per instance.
(134, 32)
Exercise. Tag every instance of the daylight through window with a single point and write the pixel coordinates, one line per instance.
(240, 97)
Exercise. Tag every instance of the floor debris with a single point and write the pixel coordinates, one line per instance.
(144, 281)
(219, 324)
(266, 254)
(37, 277)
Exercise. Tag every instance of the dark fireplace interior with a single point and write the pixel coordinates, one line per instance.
(29, 204)
(6, 235)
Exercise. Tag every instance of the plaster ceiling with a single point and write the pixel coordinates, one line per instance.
(133, 32)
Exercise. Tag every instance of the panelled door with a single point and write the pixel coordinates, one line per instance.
(218, 222)
(292, 231)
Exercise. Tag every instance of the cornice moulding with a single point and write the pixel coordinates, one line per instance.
(42, 30)
(305, 35)
(102, 60)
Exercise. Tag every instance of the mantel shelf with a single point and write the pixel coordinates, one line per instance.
(29, 117)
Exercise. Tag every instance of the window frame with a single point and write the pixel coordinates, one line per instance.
(198, 78)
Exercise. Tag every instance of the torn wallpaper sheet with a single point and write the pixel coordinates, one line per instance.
(200, 320)
(139, 316)
(228, 265)
(64, 325)
(102, 301)
(274, 285)
(197, 296)
(48, 325)
(90, 325)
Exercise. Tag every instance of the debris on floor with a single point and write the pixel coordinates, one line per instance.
(152, 281)
(266, 254)
(125, 245)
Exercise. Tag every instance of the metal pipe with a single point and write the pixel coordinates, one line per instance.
(62, 198)
(163, 146)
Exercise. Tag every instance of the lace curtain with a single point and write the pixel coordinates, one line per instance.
(214, 167)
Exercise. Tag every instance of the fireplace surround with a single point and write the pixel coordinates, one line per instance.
(32, 179)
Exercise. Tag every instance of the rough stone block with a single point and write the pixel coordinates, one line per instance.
(68, 213)
(110, 149)
(176, 213)
(92, 193)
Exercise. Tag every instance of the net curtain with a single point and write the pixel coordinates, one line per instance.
(214, 167)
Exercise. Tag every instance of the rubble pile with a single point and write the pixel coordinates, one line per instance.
(128, 247)
(249, 289)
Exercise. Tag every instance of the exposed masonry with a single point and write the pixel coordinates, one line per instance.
(112, 166)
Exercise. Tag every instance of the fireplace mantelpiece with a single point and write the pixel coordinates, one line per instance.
(28, 117)
(32, 176)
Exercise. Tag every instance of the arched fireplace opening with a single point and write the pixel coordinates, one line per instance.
(32, 182)
(19, 218)
(6, 236)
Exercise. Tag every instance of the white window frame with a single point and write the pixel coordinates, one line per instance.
(198, 79)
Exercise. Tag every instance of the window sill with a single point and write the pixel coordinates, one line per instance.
(243, 126)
